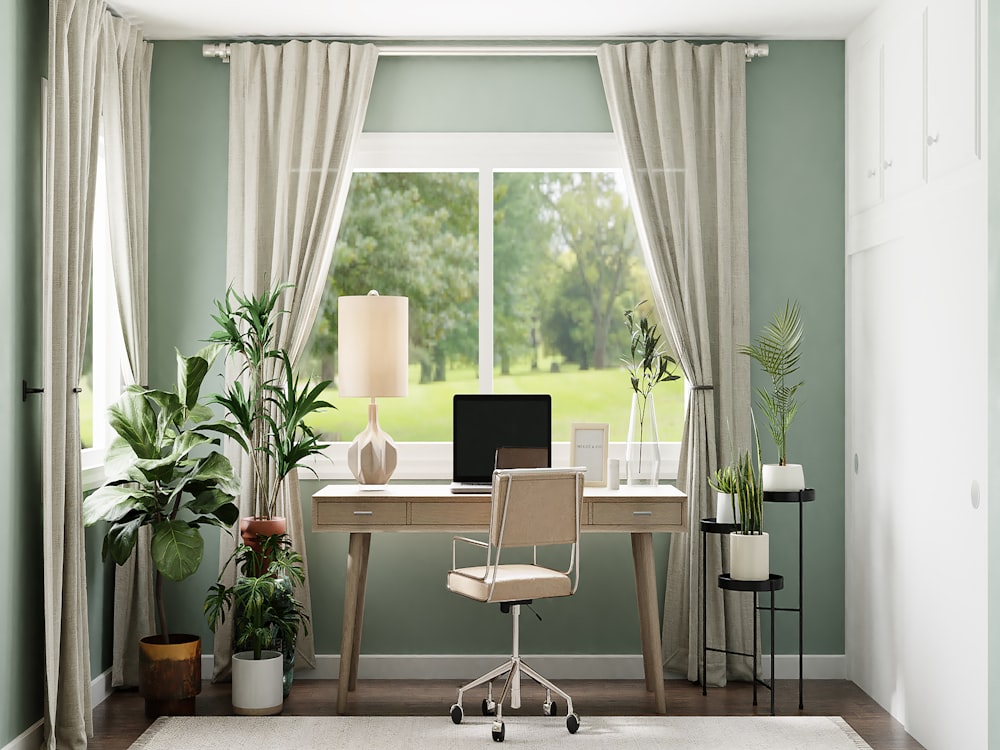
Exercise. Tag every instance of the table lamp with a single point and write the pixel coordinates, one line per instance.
(372, 357)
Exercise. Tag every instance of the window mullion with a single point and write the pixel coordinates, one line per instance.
(486, 279)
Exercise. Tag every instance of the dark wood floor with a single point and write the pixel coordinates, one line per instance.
(120, 719)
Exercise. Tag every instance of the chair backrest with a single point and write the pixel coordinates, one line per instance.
(518, 457)
(534, 507)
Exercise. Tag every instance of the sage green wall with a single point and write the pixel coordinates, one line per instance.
(795, 169)
(23, 41)
(797, 249)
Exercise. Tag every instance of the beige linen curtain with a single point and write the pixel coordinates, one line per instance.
(72, 113)
(679, 114)
(295, 113)
(127, 62)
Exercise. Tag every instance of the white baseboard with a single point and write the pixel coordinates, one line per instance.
(31, 738)
(554, 666)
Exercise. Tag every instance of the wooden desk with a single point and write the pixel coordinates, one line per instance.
(638, 511)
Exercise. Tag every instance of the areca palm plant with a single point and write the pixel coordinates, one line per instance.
(777, 350)
(267, 403)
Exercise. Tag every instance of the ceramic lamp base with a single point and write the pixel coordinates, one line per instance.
(372, 456)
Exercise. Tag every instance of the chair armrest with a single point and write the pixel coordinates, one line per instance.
(474, 542)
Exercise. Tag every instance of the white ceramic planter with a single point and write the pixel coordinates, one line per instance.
(787, 478)
(749, 557)
(257, 683)
(724, 508)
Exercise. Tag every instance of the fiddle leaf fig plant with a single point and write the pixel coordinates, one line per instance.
(164, 471)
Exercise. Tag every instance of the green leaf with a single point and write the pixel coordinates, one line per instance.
(191, 371)
(120, 540)
(176, 549)
(113, 502)
(132, 417)
(118, 460)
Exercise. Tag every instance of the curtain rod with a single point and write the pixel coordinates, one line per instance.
(221, 51)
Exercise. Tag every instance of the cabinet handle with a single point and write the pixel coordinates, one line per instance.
(932, 139)
(642, 512)
(363, 513)
(887, 164)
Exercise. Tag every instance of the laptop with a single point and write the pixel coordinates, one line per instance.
(519, 426)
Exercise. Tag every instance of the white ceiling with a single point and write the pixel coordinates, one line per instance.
(495, 19)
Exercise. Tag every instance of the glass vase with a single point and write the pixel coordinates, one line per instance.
(642, 448)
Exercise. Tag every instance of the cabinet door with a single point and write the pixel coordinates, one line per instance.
(864, 118)
(903, 105)
(953, 84)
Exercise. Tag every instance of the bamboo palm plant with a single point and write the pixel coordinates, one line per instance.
(267, 403)
(777, 351)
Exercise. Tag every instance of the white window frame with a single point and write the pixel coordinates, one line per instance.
(484, 154)
(108, 344)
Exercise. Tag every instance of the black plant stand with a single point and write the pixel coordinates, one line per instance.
(710, 526)
(800, 497)
(772, 584)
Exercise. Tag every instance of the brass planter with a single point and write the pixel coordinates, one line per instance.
(170, 674)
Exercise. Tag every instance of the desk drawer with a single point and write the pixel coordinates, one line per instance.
(361, 514)
(637, 514)
(451, 514)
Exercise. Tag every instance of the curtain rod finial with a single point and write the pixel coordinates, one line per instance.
(756, 49)
(220, 51)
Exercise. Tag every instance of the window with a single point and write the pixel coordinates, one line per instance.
(519, 255)
(101, 383)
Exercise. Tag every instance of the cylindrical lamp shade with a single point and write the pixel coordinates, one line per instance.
(372, 346)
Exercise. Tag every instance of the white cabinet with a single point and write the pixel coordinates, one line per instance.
(902, 161)
(953, 84)
(864, 108)
(913, 100)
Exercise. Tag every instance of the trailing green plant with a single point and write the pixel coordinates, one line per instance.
(267, 403)
(267, 616)
(164, 472)
(776, 350)
(648, 362)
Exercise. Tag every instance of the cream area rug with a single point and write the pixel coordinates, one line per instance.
(432, 733)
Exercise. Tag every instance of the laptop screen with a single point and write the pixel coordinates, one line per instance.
(481, 423)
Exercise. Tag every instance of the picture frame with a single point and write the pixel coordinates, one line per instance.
(588, 447)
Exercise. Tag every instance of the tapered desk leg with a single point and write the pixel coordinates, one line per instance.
(354, 599)
(649, 620)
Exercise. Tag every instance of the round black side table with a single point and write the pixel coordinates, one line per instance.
(773, 583)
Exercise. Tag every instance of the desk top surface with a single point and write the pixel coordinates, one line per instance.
(442, 492)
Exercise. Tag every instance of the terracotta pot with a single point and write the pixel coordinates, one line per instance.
(251, 528)
(169, 674)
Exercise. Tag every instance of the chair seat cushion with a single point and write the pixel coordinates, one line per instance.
(514, 582)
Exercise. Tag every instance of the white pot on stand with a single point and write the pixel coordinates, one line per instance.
(726, 510)
(749, 557)
(778, 478)
(257, 683)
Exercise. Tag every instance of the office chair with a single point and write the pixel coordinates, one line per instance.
(529, 508)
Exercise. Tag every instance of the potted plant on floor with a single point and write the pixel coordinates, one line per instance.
(777, 351)
(267, 404)
(648, 364)
(267, 620)
(165, 473)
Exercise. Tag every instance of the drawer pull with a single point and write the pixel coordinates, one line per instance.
(642, 512)
(363, 513)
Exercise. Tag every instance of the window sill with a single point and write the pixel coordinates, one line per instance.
(432, 461)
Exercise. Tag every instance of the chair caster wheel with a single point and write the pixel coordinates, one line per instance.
(572, 723)
(550, 708)
(489, 707)
(498, 731)
(457, 714)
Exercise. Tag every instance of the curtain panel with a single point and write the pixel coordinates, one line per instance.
(295, 113)
(72, 111)
(126, 67)
(679, 114)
